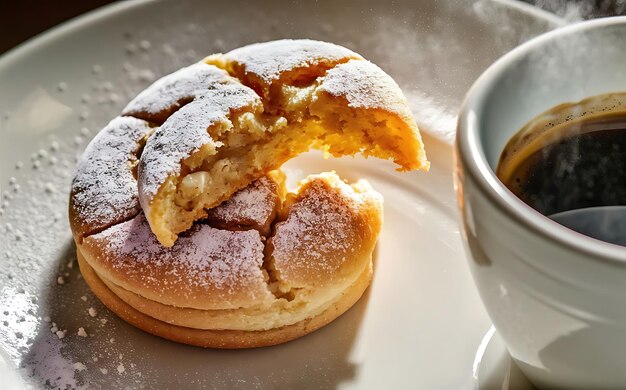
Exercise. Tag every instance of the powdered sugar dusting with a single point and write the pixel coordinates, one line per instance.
(186, 131)
(269, 60)
(322, 224)
(203, 259)
(365, 85)
(48, 363)
(253, 206)
(166, 95)
(104, 188)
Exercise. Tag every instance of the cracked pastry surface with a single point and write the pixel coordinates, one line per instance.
(311, 267)
(229, 120)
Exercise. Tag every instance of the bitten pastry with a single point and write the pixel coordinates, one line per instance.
(234, 117)
(181, 217)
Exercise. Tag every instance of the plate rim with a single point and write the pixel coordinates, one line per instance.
(113, 9)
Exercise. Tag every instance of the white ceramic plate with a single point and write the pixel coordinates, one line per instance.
(421, 321)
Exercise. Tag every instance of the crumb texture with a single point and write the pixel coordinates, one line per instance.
(185, 132)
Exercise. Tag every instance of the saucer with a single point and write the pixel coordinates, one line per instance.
(494, 368)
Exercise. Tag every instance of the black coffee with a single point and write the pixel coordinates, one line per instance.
(573, 165)
(586, 170)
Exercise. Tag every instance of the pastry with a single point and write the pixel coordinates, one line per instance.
(234, 117)
(182, 221)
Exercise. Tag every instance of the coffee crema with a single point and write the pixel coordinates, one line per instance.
(571, 157)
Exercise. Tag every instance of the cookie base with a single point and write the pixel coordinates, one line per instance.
(221, 339)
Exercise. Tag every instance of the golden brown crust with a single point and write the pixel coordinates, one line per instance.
(226, 339)
(246, 319)
(207, 269)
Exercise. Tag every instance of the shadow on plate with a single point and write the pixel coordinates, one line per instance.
(115, 354)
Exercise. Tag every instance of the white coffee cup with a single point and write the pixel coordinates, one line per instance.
(556, 297)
